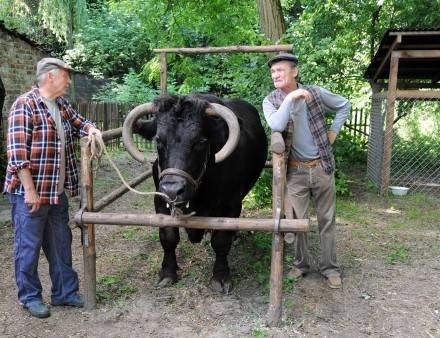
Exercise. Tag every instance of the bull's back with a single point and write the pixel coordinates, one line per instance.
(229, 181)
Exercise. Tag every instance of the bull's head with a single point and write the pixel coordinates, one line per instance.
(183, 133)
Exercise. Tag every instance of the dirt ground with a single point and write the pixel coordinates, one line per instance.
(388, 249)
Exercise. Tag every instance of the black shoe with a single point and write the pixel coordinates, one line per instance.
(37, 309)
(75, 301)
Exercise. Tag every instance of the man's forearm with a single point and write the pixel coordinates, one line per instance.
(26, 179)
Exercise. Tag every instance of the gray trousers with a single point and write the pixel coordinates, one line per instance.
(302, 184)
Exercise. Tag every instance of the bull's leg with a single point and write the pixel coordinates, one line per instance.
(221, 242)
(169, 238)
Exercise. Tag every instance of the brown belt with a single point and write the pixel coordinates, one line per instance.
(307, 164)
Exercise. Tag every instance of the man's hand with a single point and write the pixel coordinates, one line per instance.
(331, 136)
(300, 94)
(32, 200)
(94, 131)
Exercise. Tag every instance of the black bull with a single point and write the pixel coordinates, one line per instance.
(186, 170)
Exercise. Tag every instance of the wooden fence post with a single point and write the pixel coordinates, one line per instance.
(276, 268)
(88, 230)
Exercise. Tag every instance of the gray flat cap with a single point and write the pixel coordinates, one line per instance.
(282, 57)
(47, 64)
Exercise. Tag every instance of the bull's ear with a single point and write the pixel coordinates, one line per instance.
(165, 102)
(146, 129)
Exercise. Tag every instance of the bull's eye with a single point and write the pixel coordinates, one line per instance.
(200, 144)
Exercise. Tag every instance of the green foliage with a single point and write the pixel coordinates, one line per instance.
(111, 43)
(261, 194)
(131, 90)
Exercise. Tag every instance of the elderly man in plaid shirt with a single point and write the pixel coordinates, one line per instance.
(41, 167)
(300, 111)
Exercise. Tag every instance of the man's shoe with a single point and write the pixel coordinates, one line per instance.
(75, 301)
(334, 282)
(37, 309)
(295, 273)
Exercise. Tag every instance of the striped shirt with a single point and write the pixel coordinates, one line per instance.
(34, 143)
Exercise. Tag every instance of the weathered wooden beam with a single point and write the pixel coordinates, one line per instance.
(163, 72)
(193, 222)
(416, 33)
(227, 49)
(276, 269)
(416, 53)
(111, 134)
(397, 42)
(388, 133)
(88, 230)
(277, 143)
(111, 197)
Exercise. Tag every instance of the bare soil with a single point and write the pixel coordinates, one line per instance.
(388, 249)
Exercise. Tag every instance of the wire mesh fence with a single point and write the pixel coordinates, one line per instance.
(414, 160)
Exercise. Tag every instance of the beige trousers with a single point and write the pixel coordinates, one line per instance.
(302, 184)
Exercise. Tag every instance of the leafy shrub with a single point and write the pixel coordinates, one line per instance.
(131, 90)
(261, 194)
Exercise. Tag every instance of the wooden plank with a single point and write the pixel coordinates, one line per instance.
(437, 32)
(388, 133)
(418, 94)
(227, 49)
(163, 73)
(417, 53)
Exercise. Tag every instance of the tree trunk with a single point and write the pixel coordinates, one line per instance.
(271, 19)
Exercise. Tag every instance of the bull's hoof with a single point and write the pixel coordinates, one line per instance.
(165, 282)
(221, 285)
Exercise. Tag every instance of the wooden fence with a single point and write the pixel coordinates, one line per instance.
(107, 116)
(358, 123)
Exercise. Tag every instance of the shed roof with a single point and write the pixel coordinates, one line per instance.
(409, 68)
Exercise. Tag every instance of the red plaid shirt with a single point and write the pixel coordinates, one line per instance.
(33, 142)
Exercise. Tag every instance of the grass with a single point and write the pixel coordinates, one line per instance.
(113, 288)
(397, 253)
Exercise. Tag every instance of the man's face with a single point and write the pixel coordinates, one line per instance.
(60, 81)
(284, 75)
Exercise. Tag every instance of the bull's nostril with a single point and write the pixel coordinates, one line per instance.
(173, 189)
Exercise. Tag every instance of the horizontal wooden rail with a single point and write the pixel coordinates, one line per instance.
(227, 49)
(218, 223)
(111, 134)
(109, 198)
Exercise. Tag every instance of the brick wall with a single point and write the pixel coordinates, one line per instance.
(17, 67)
(18, 62)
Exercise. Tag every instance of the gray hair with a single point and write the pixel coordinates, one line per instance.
(41, 78)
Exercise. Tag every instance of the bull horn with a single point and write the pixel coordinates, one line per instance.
(127, 129)
(230, 118)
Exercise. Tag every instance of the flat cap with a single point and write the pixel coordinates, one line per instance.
(282, 57)
(47, 64)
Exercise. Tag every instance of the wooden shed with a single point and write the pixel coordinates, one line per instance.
(404, 143)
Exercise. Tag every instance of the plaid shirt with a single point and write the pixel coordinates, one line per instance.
(33, 142)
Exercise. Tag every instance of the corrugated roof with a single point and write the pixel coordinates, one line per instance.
(409, 68)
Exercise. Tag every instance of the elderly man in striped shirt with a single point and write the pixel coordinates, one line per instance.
(41, 167)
